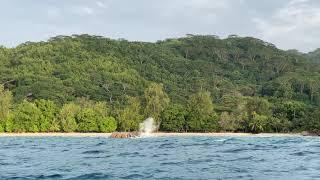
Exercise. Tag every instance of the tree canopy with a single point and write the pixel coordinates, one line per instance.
(194, 83)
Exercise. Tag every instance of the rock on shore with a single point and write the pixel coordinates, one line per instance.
(307, 133)
(124, 134)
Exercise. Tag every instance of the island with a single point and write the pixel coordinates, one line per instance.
(192, 84)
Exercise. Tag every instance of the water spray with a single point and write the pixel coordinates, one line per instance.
(146, 128)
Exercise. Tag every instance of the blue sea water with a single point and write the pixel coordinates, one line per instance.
(160, 158)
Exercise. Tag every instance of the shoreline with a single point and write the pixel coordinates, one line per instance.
(226, 134)
(158, 134)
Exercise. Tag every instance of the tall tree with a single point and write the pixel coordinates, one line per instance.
(67, 117)
(200, 111)
(49, 111)
(130, 117)
(173, 118)
(156, 101)
(5, 106)
(27, 117)
(5, 103)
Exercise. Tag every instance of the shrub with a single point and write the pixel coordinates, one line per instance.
(87, 120)
(107, 124)
(173, 119)
(27, 118)
(67, 117)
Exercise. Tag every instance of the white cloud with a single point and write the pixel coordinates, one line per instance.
(87, 10)
(83, 10)
(208, 4)
(192, 14)
(293, 2)
(285, 23)
(101, 4)
(295, 25)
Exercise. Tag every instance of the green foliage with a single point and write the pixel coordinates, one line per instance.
(2, 128)
(67, 117)
(173, 118)
(200, 112)
(258, 105)
(292, 109)
(315, 55)
(87, 120)
(9, 124)
(107, 124)
(313, 121)
(201, 104)
(27, 118)
(232, 102)
(275, 124)
(48, 123)
(258, 123)
(5, 103)
(69, 67)
(156, 101)
(211, 123)
(244, 75)
(130, 116)
(296, 113)
(101, 109)
(229, 122)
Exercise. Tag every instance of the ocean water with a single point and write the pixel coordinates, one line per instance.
(160, 158)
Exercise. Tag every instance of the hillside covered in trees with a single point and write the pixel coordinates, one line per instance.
(314, 56)
(196, 83)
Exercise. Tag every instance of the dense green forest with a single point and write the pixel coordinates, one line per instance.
(198, 83)
(315, 56)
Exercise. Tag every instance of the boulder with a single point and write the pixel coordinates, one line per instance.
(124, 134)
(307, 133)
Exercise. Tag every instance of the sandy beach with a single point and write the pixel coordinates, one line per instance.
(158, 134)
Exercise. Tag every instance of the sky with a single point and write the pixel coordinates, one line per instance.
(289, 24)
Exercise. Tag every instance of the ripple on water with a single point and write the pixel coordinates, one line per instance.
(171, 163)
(197, 144)
(160, 155)
(101, 144)
(235, 150)
(53, 176)
(93, 152)
(241, 159)
(160, 158)
(92, 176)
(131, 154)
(133, 176)
(167, 146)
(199, 161)
(303, 153)
(95, 157)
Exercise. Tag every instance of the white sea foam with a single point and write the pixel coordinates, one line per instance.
(147, 127)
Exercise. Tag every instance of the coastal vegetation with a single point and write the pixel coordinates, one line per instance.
(198, 83)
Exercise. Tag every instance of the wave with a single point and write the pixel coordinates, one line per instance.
(303, 153)
(93, 152)
(92, 176)
(162, 158)
(53, 176)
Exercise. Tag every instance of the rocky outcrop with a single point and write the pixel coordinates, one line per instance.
(307, 133)
(124, 134)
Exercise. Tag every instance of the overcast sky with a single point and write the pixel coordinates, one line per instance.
(289, 24)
